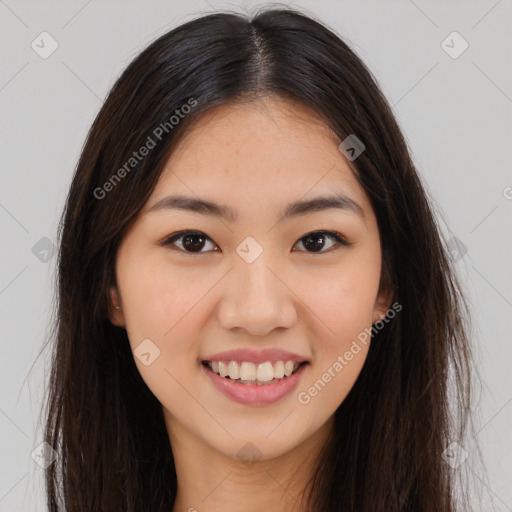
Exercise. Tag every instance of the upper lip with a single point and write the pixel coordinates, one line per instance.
(256, 356)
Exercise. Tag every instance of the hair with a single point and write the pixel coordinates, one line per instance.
(386, 448)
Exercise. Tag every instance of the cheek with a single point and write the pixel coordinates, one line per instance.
(343, 299)
(343, 338)
(161, 306)
(343, 303)
(156, 301)
(329, 384)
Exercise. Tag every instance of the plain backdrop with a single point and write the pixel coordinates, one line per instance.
(454, 108)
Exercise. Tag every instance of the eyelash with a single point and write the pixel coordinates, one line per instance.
(170, 240)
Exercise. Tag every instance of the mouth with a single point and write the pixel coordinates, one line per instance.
(248, 373)
(254, 384)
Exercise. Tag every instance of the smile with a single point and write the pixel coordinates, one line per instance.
(246, 372)
(254, 384)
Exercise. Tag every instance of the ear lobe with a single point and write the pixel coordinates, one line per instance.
(115, 315)
(382, 304)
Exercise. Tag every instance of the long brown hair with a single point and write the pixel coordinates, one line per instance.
(386, 452)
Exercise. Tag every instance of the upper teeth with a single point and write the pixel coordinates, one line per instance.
(263, 372)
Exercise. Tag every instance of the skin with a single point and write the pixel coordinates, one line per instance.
(257, 158)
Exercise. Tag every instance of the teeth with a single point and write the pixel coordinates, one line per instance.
(279, 370)
(250, 373)
(247, 371)
(223, 369)
(233, 370)
(265, 372)
(288, 368)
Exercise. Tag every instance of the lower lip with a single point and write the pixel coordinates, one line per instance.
(252, 394)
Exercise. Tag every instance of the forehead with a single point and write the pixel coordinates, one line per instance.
(273, 130)
(264, 153)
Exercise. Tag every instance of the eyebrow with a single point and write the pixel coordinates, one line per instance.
(295, 209)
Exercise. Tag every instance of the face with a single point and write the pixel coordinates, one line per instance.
(255, 276)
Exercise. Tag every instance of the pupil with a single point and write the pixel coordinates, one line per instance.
(313, 243)
(198, 246)
(314, 246)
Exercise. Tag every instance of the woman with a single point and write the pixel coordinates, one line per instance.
(255, 307)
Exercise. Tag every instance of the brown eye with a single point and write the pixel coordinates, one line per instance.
(191, 241)
(315, 241)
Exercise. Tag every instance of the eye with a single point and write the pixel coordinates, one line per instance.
(193, 241)
(316, 240)
(190, 241)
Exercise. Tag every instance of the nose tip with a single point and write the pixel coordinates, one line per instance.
(258, 302)
(258, 321)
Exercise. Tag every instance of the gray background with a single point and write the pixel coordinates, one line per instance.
(455, 112)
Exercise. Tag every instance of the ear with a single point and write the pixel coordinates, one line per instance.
(116, 315)
(382, 303)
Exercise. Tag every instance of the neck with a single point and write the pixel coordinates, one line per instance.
(210, 481)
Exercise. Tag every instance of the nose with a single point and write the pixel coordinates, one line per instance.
(257, 299)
